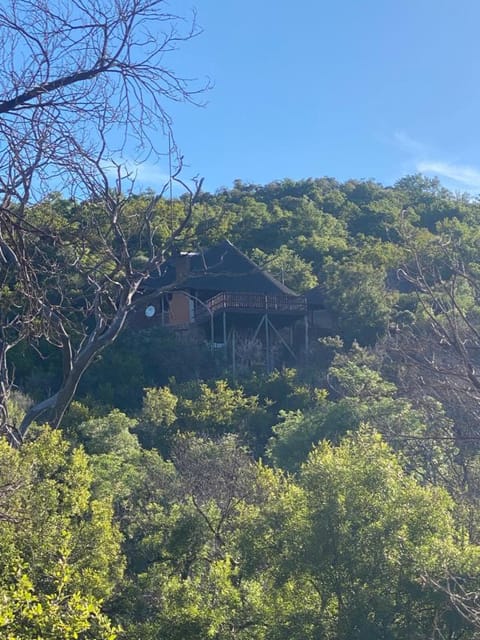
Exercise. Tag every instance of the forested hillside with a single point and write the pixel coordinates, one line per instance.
(151, 488)
(334, 499)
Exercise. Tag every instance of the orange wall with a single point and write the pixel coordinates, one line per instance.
(179, 312)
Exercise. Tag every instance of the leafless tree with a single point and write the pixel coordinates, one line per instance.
(84, 85)
(463, 595)
(433, 352)
(439, 350)
(215, 471)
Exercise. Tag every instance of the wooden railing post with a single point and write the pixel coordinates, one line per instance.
(253, 302)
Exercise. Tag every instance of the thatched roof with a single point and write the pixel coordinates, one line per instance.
(220, 268)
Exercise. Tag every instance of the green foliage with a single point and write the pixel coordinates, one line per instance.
(156, 425)
(109, 434)
(59, 549)
(212, 605)
(215, 408)
(374, 533)
(361, 394)
(357, 295)
(219, 408)
(24, 615)
(351, 534)
(431, 202)
(329, 237)
(287, 267)
(282, 389)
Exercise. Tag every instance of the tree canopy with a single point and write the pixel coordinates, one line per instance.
(147, 490)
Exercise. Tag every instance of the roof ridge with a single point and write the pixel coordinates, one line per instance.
(263, 271)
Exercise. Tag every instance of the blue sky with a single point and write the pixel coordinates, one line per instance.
(343, 88)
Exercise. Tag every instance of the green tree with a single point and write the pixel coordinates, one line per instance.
(356, 294)
(374, 532)
(191, 586)
(423, 435)
(59, 549)
(287, 267)
(219, 408)
(157, 421)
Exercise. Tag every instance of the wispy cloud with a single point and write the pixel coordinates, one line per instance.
(149, 174)
(142, 176)
(425, 160)
(146, 174)
(409, 144)
(465, 175)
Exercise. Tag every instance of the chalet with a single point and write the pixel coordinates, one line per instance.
(237, 306)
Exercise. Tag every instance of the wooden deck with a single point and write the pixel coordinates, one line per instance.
(252, 303)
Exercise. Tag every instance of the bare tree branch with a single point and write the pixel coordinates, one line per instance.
(84, 83)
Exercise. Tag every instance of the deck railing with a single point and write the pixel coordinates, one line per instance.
(250, 302)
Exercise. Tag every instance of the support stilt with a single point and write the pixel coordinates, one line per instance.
(259, 326)
(282, 340)
(225, 335)
(267, 344)
(234, 358)
(307, 346)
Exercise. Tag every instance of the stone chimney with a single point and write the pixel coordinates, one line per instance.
(182, 267)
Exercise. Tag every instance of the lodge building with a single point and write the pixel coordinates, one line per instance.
(234, 305)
